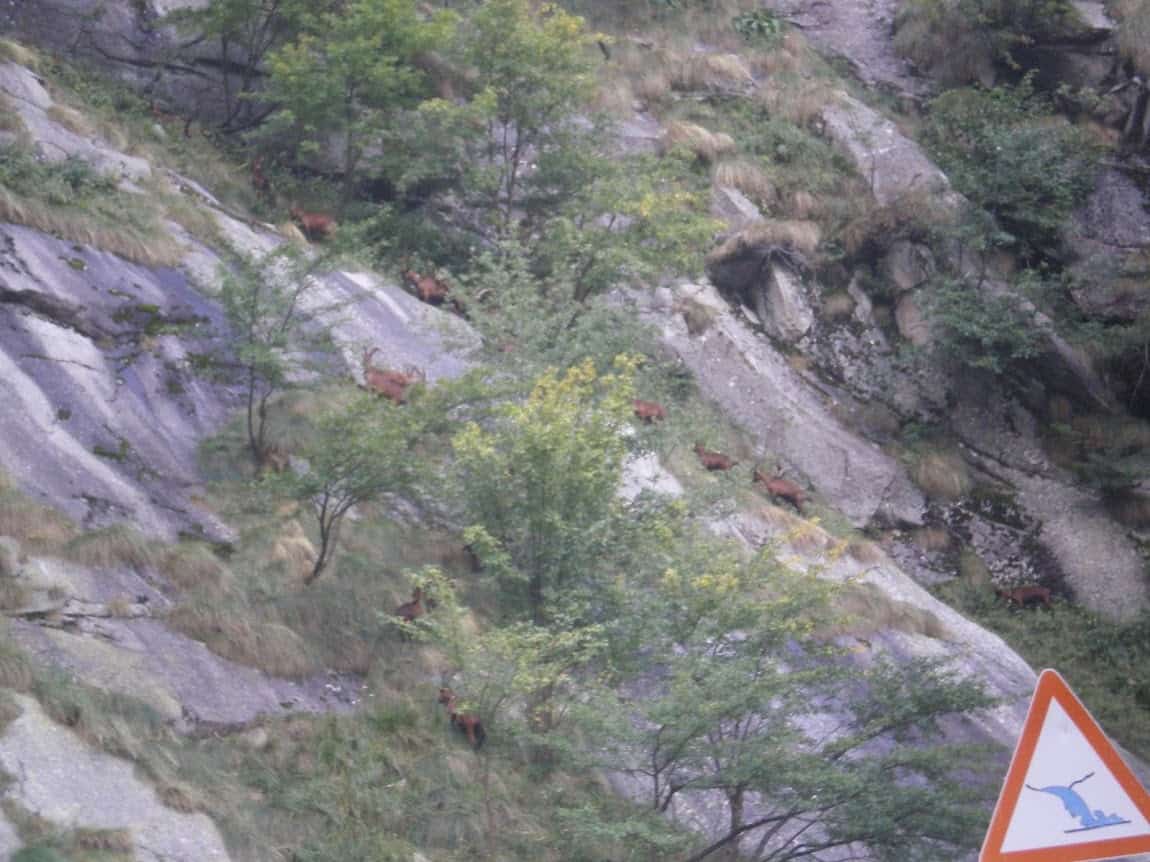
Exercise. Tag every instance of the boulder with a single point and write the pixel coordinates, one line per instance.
(787, 312)
(908, 265)
(895, 165)
(912, 321)
(733, 207)
(73, 786)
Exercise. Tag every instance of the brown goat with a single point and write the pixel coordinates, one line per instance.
(315, 226)
(784, 489)
(260, 182)
(649, 411)
(466, 723)
(713, 460)
(428, 288)
(1025, 596)
(392, 385)
(409, 612)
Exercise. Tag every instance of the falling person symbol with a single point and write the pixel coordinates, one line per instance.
(1076, 806)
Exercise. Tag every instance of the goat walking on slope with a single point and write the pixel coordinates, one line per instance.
(784, 489)
(315, 226)
(713, 460)
(466, 723)
(649, 411)
(1022, 597)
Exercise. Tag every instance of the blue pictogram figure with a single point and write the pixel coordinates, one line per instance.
(1076, 806)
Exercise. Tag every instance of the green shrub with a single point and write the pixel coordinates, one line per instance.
(980, 330)
(60, 183)
(1010, 155)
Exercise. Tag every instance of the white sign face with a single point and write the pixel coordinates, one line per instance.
(1069, 796)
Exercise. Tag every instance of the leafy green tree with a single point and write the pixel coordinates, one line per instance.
(533, 72)
(359, 452)
(812, 754)
(245, 32)
(1010, 155)
(264, 301)
(348, 72)
(539, 482)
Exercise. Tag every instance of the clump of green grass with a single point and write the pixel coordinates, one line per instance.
(118, 545)
(1106, 663)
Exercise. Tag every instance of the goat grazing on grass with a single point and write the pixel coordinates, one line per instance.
(784, 489)
(409, 612)
(649, 411)
(1025, 596)
(713, 460)
(432, 290)
(315, 226)
(466, 723)
(392, 385)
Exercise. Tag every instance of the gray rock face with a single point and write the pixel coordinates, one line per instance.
(61, 779)
(104, 410)
(896, 165)
(788, 311)
(22, 90)
(127, 40)
(785, 415)
(908, 265)
(733, 207)
(913, 324)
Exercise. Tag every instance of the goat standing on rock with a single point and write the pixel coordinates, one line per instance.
(392, 385)
(315, 226)
(713, 460)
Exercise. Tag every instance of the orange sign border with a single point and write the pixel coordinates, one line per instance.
(1051, 686)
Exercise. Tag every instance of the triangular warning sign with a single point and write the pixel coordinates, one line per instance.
(1068, 797)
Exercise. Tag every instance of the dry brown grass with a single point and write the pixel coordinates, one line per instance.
(72, 120)
(868, 609)
(802, 205)
(119, 545)
(15, 669)
(711, 73)
(11, 122)
(1121, 433)
(10, 710)
(942, 475)
(931, 538)
(972, 569)
(799, 100)
(189, 565)
(36, 527)
(103, 840)
(13, 594)
(705, 145)
(865, 551)
(749, 178)
(1134, 34)
(880, 225)
(293, 552)
(698, 317)
(837, 306)
(226, 630)
(14, 52)
(800, 236)
(938, 38)
(180, 797)
(148, 247)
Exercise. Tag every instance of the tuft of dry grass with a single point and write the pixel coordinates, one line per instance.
(837, 306)
(931, 538)
(803, 205)
(865, 551)
(119, 545)
(103, 840)
(72, 120)
(942, 475)
(711, 73)
(227, 630)
(13, 594)
(1134, 34)
(798, 100)
(294, 552)
(800, 236)
(125, 239)
(14, 52)
(698, 317)
(868, 609)
(972, 569)
(189, 565)
(34, 526)
(748, 177)
(180, 797)
(10, 710)
(15, 668)
(909, 215)
(705, 145)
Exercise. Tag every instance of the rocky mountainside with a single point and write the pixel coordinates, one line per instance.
(108, 412)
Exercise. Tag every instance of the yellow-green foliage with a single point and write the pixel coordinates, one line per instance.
(14, 52)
